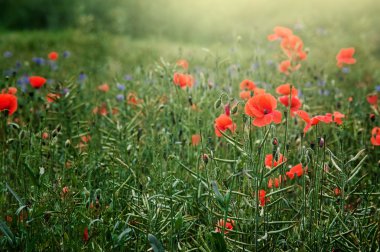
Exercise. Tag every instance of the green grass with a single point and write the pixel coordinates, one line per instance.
(139, 173)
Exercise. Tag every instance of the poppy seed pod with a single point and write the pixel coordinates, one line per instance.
(205, 158)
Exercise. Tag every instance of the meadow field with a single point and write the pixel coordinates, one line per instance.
(195, 126)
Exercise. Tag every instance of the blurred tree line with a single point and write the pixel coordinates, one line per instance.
(54, 14)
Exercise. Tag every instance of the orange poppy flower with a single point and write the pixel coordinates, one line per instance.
(293, 48)
(262, 197)
(10, 90)
(45, 135)
(8, 102)
(294, 105)
(222, 123)
(245, 95)
(101, 110)
(37, 81)
(195, 139)
(227, 227)
(85, 139)
(133, 100)
(338, 117)
(276, 182)
(286, 67)
(375, 139)
(304, 115)
(263, 109)
(104, 87)
(337, 191)
(53, 56)
(372, 99)
(270, 162)
(345, 56)
(247, 85)
(183, 63)
(295, 170)
(328, 118)
(183, 80)
(52, 97)
(280, 33)
(85, 235)
(284, 89)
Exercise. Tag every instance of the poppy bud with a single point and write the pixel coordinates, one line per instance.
(67, 143)
(54, 133)
(59, 127)
(372, 117)
(205, 158)
(190, 100)
(312, 145)
(234, 109)
(275, 141)
(139, 134)
(227, 110)
(321, 142)
(217, 103)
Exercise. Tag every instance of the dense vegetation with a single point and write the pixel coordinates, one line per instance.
(182, 142)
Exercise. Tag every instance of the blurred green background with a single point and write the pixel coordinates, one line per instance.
(122, 33)
(194, 20)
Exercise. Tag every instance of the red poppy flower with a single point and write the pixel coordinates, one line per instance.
(183, 63)
(372, 99)
(85, 139)
(53, 56)
(183, 80)
(8, 102)
(37, 81)
(284, 89)
(316, 119)
(220, 224)
(295, 170)
(286, 67)
(345, 56)
(101, 110)
(375, 139)
(195, 139)
(222, 123)
(10, 90)
(280, 33)
(270, 162)
(262, 198)
(52, 97)
(263, 109)
(245, 95)
(85, 234)
(45, 135)
(133, 100)
(295, 103)
(247, 85)
(104, 87)
(338, 117)
(293, 48)
(276, 182)
(337, 191)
